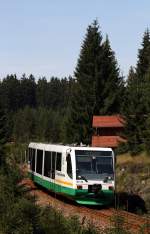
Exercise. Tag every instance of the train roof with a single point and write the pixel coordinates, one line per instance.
(57, 147)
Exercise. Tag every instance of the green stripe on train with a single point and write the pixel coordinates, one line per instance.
(80, 196)
(52, 186)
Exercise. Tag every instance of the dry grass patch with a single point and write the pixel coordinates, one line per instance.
(142, 158)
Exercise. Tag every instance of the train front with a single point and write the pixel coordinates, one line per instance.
(95, 178)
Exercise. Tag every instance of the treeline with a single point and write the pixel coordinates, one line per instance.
(17, 93)
(34, 110)
(61, 110)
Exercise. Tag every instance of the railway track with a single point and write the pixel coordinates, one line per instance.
(100, 218)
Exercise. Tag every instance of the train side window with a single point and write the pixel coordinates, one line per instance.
(32, 159)
(47, 164)
(69, 166)
(53, 160)
(53, 165)
(58, 161)
(29, 155)
(39, 161)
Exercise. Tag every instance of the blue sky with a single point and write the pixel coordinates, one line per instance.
(44, 37)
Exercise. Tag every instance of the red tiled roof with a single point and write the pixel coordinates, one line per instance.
(108, 121)
(107, 141)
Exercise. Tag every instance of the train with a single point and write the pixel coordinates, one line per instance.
(84, 174)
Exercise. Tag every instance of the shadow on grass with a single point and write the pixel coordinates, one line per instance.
(130, 202)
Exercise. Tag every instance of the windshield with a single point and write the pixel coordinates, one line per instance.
(94, 164)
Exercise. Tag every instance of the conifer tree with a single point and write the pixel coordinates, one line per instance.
(2, 137)
(109, 84)
(42, 92)
(132, 111)
(137, 99)
(84, 97)
(143, 62)
(28, 91)
(98, 87)
(146, 101)
(10, 93)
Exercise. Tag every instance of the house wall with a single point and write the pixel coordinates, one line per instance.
(108, 131)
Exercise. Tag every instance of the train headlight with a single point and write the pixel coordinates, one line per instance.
(107, 178)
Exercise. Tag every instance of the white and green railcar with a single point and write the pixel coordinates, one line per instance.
(85, 174)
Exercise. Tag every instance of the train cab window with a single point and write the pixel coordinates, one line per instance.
(58, 161)
(47, 164)
(69, 166)
(39, 161)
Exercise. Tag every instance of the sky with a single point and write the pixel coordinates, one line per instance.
(44, 37)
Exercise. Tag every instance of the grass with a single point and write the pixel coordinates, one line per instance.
(142, 158)
(133, 178)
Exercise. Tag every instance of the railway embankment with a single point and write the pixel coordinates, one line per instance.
(100, 220)
(133, 183)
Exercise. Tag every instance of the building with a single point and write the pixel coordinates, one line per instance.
(107, 131)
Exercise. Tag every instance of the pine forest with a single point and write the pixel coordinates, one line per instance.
(60, 110)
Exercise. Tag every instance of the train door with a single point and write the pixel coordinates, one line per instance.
(53, 168)
(32, 162)
(47, 167)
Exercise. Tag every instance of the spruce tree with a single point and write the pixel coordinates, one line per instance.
(10, 93)
(28, 91)
(109, 83)
(137, 99)
(42, 92)
(146, 101)
(2, 137)
(143, 62)
(98, 88)
(132, 110)
(83, 101)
